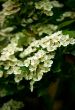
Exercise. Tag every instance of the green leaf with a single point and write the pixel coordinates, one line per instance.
(71, 33)
(66, 23)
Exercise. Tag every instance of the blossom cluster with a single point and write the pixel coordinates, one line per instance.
(7, 52)
(12, 105)
(46, 6)
(33, 61)
(69, 14)
(9, 8)
(41, 29)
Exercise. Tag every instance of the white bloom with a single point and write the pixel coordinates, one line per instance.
(72, 41)
(10, 71)
(31, 85)
(8, 51)
(48, 63)
(67, 14)
(6, 67)
(36, 59)
(18, 78)
(12, 104)
(27, 51)
(16, 70)
(40, 54)
(32, 68)
(34, 62)
(45, 6)
(27, 62)
(38, 76)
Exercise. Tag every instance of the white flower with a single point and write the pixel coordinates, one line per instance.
(38, 76)
(10, 71)
(27, 62)
(32, 68)
(35, 60)
(9, 50)
(16, 70)
(72, 41)
(31, 85)
(18, 78)
(19, 63)
(6, 67)
(27, 51)
(48, 63)
(69, 14)
(40, 53)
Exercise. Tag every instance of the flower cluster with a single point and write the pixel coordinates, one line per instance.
(69, 14)
(12, 105)
(4, 32)
(9, 8)
(46, 6)
(44, 28)
(35, 60)
(48, 42)
(8, 52)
